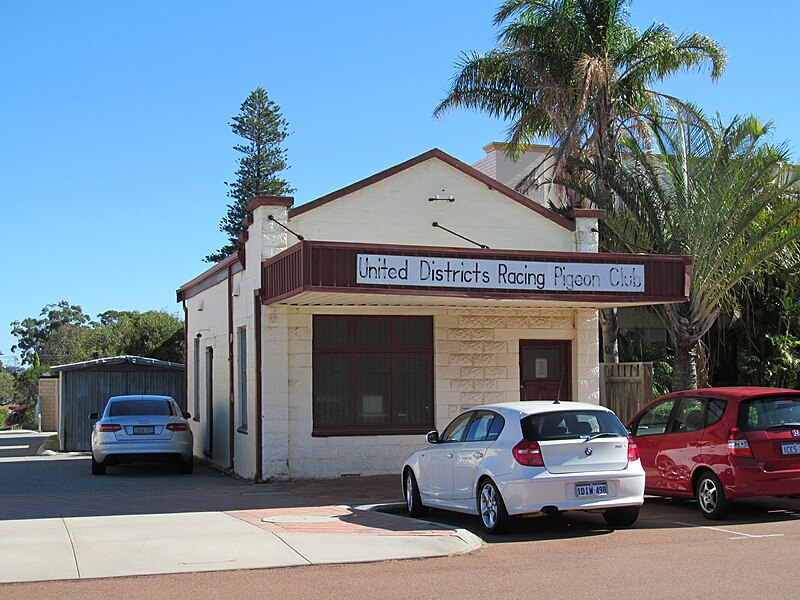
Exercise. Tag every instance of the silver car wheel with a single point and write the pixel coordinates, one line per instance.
(409, 492)
(707, 495)
(488, 506)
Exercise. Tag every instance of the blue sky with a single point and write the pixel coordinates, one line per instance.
(115, 119)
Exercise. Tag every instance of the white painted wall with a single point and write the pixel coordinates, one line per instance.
(396, 210)
(207, 315)
(498, 165)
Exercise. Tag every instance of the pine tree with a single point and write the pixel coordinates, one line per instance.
(263, 128)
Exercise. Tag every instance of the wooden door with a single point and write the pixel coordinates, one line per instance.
(545, 369)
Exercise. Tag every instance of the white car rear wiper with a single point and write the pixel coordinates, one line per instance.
(602, 434)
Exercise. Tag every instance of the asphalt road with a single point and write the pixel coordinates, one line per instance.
(672, 552)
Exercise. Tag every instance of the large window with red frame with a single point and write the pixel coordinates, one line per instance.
(372, 375)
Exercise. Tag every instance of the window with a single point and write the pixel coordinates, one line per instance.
(770, 412)
(689, 416)
(132, 408)
(571, 424)
(654, 420)
(372, 375)
(485, 427)
(455, 431)
(241, 334)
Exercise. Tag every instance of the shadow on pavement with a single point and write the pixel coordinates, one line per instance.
(657, 513)
(58, 486)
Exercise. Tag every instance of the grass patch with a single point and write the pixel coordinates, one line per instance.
(51, 444)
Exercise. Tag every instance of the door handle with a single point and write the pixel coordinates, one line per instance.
(477, 454)
(449, 455)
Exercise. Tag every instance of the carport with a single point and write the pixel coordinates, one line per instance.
(85, 387)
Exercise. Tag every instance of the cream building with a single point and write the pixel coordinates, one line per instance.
(351, 325)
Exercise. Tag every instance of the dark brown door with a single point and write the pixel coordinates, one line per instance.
(545, 369)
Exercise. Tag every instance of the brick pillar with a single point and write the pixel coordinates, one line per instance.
(587, 352)
(266, 239)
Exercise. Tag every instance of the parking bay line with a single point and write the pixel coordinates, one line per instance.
(741, 536)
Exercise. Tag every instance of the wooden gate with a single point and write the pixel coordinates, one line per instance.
(626, 387)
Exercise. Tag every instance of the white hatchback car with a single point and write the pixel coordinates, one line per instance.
(524, 458)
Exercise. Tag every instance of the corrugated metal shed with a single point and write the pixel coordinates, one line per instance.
(87, 386)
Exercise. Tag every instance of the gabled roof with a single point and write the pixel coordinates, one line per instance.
(117, 360)
(492, 184)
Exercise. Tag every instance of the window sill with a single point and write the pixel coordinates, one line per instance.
(373, 432)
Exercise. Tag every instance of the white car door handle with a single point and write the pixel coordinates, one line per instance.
(449, 455)
(477, 454)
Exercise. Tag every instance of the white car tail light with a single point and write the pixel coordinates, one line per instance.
(528, 453)
(177, 426)
(110, 428)
(633, 450)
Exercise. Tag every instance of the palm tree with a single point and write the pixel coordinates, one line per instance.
(574, 71)
(577, 72)
(719, 193)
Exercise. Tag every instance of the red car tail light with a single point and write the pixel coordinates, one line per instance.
(633, 450)
(177, 427)
(737, 444)
(528, 453)
(110, 428)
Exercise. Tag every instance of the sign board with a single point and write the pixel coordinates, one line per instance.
(468, 273)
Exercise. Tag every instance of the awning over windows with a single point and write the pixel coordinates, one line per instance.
(335, 274)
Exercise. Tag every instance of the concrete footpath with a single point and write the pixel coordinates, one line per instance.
(21, 442)
(266, 532)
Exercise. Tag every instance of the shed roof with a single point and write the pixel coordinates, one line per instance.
(117, 360)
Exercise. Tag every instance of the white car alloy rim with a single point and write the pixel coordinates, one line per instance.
(409, 492)
(488, 506)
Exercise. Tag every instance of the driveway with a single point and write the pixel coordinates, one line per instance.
(20, 442)
(60, 522)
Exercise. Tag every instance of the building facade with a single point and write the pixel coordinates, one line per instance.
(351, 325)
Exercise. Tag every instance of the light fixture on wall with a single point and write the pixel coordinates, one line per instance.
(442, 195)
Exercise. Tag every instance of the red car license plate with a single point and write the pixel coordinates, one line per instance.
(790, 448)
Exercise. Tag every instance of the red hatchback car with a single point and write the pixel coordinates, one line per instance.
(719, 444)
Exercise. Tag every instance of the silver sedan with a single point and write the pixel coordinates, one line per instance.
(141, 428)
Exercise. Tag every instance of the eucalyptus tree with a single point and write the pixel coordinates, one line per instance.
(721, 193)
(579, 74)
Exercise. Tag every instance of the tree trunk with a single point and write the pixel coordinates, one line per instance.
(610, 329)
(684, 372)
(702, 364)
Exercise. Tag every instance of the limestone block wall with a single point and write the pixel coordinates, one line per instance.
(48, 392)
(476, 361)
